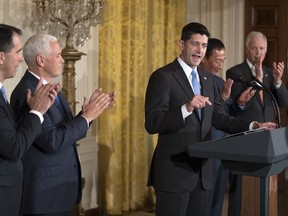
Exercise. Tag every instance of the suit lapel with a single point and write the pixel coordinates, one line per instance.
(203, 80)
(181, 77)
(7, 109)
(248, 73)
(65, 109)
(204, 90)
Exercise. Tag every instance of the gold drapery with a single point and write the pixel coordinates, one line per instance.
(138, 36)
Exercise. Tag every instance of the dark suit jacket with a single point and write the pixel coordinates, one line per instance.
(219, 83)
(51, 166)
(168, 89)
(254, 109)
(228, 105)
(14, 143)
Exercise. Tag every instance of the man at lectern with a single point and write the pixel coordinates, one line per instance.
(181, 105)
(260, 107)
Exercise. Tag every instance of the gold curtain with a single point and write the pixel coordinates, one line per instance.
(138, 36)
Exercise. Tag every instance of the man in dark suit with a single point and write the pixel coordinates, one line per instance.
(52, 177)
(260, 107)
(213, 62)
(181, 118)
(15, 141)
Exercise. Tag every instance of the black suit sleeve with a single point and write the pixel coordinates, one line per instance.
(16, 141)
(160, 115)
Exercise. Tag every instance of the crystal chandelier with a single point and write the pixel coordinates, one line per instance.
(68, 19)
(70, 22)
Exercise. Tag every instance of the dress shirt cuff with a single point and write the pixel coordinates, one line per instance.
(38, 114)
(277, 86)
(251, 125)
(185, 112)
(242, 107)
(86, 121)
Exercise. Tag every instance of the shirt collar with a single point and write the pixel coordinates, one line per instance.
(251, 66)
(44, 81)
(187, 69)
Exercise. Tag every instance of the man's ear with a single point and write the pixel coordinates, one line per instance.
(181, 44)
(40, 60)
(2, 58)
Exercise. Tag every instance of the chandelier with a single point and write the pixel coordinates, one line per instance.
(70, 19)
(70, 22)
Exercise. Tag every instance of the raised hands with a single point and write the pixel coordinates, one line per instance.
(44, 96)
(278, 70)
(226, 91)
(97, 103)
(258, 68)
(246, 96)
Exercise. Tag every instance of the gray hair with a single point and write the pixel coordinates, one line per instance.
(38, 44)
(255, 34)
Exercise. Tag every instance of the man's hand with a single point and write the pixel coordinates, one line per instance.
(264, 125)
(258, 68)
(246, 96)
(226, 91)
(97, 103)
(278, 70)
(43, 97)
(112, 99)
(197, 102)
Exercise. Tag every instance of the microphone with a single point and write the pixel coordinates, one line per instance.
(249, 82)
(258, 85)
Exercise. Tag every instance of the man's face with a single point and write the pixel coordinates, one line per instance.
(11, 60)
(194, 49)
(215, 62)
(256, 50)
(53, 62)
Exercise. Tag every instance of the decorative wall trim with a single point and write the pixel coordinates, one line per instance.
(88, 155)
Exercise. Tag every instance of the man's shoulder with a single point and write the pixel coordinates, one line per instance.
(26, 81)
(20, 90)
(167, 69)
(241, 66)
(218, 78)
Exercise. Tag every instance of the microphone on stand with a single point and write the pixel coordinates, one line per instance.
(249, 82)
(258, 85)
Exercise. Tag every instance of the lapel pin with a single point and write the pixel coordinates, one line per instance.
(205, 78)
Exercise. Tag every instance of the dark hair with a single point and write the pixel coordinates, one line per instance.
(213, 43)
(193, 28)
(6, 40)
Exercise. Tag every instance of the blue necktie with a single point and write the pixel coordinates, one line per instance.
(196, 88)
(4, 94)
(58, 100)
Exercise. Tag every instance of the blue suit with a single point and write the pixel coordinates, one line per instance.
(52, 174)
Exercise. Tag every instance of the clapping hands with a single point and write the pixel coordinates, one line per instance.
(44, 96)
(97, 103)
